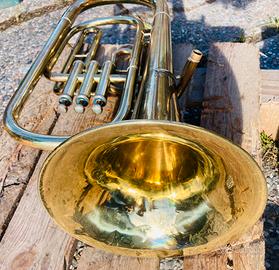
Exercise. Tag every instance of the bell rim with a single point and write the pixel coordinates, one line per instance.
(218, 243)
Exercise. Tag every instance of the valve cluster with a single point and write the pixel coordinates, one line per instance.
(86, 83)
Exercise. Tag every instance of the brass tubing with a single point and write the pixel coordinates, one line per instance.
(82, 100)
(60, 77)
(42, 141)
(188, 71)
(99, 100)
(175, 112)
(83, 27)
(93, 49)
(123, 51)
(128, 91)
(127, 96)
(71, 57)
(66, 99)
(157, 85)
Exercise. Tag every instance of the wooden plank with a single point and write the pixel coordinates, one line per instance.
(231, 108)
(269, 119)
(270, 75)
(249, 256)
(17, 162)
(231, 98)
(269, 111)
(92, 259)
(269, 86)
(214, 260)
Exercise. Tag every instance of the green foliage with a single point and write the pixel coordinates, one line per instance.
(269, 150)
(241, 39)
(274, 22)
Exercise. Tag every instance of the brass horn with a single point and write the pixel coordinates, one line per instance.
(150, 185)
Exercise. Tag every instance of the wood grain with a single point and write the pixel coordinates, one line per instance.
(231, 98)
(17, 162)
(210, 261)
(269, 85)
(269, 111)
(231, 108)
(92, 259)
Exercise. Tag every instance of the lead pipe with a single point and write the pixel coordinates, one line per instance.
(188, 71)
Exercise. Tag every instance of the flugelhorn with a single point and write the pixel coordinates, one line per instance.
(145, 184)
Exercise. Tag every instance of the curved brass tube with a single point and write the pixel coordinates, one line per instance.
(48, 142)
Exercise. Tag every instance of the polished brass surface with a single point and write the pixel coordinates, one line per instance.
(49, 55)
(188, 71)
(152, 188)
(146, 166)
(143, 187)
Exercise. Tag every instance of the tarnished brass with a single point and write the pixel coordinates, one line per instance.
(149, 186)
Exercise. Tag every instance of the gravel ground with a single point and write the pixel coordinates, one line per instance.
(19, 46)
(197, 21)
(270, 52)
(224, 20)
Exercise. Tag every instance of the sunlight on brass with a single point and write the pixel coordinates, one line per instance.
(188, 71)
(147, 166)
(150, 186)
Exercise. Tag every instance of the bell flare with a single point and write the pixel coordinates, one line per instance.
(152, 188)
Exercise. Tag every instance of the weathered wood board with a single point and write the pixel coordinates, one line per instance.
(17, 162)
(269, 111)
(231, 108)
(92, 258)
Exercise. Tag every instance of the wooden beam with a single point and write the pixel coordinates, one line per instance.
(269, 111)
(17, 162)
(92, 258)
(231, 108)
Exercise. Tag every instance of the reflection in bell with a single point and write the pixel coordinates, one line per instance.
(154, 167)
(150, 198)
